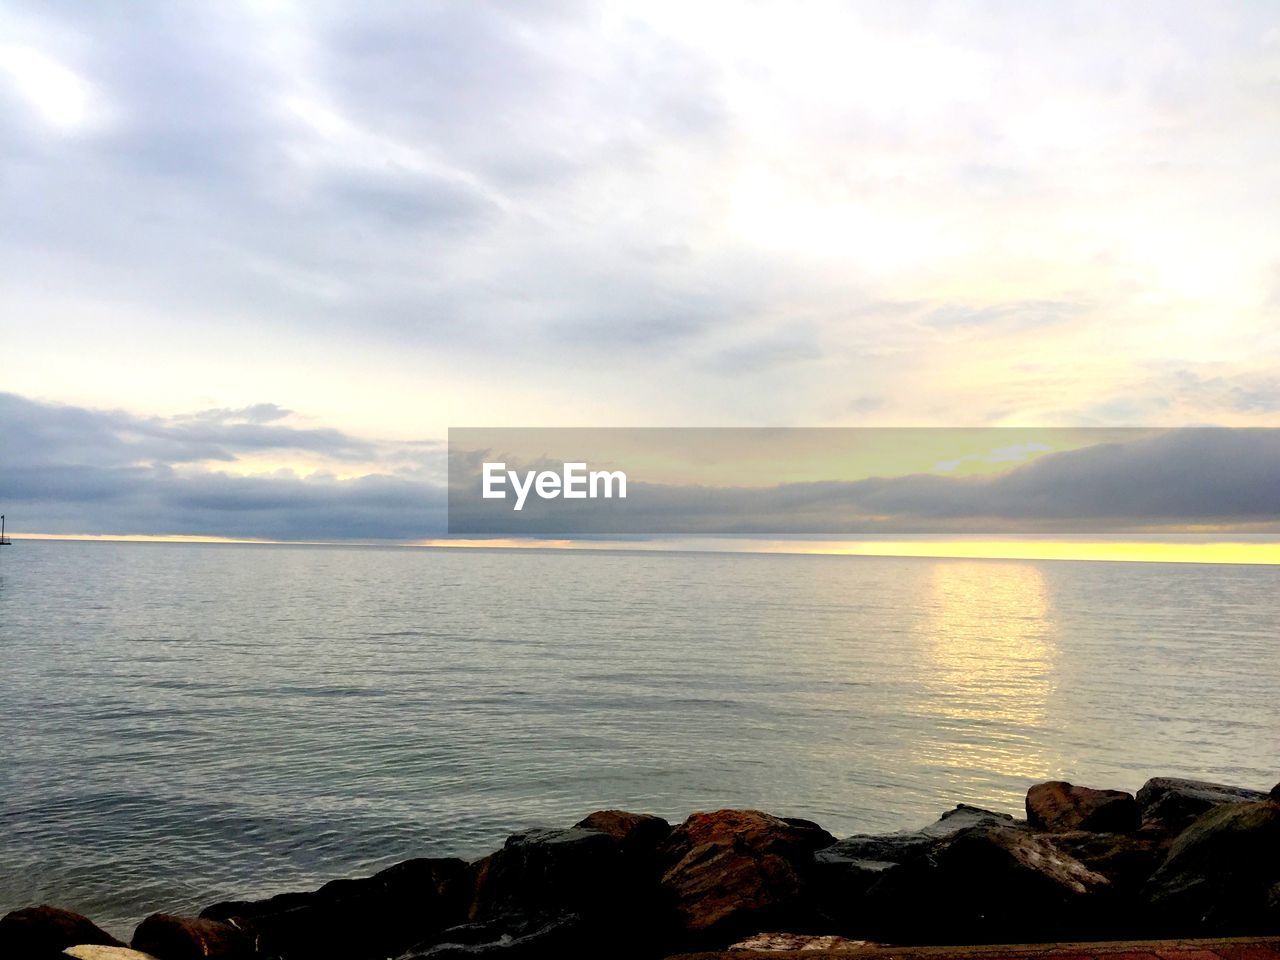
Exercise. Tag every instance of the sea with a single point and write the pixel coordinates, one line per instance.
(185, 723)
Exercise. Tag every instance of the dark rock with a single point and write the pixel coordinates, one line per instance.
(1222, 873)
(1275, 793)
(636, 833)
(44, 931)
(517, 938)
(1127, 860)
(844, 871)
(550, 873)
(371, 917)
(1169, 804)
(737, 871)
(988, 885)
(1059, 806)
(167, 937)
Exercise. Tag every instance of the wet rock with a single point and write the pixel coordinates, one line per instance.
(370, 917)
(1127, 860)
(988, 885)
(1222, 874)
(519, 938)
(637, 833)
(1169, 804)
(844, 871)
(44, 931)
(732, 871)
(1059, 806)
(546, 872)
(167, 937)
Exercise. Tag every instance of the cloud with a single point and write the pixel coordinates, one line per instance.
(1169, 482)
(73, 470)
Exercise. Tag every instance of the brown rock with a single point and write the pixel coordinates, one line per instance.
(44, 931)
(1058, 806)
(638, 833)
(167, 937)
(732, 871)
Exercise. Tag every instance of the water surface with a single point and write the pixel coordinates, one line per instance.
(190, 722)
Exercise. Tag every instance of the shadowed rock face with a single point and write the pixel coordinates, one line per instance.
(1169, 804)
(1222, 874)
(1059, 806)
(167, 937)
(731, 870)
(370, 917)
(40, 932)
(844, 871)
(986, 884)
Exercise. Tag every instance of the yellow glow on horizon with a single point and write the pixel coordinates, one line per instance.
(1220, 552)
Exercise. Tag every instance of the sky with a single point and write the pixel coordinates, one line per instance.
(256, 258)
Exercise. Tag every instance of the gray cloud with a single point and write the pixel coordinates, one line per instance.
(1171, 481)
(71, 470)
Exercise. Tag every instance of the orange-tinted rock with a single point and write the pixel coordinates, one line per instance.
(167, 937)
(44, 931)
(734, 871)
(635, 832)
(1059, 806)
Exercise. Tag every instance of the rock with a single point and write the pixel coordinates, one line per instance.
(636, 833)
(1222, 873)
(1275, 793)
(550, 873)
(372, 917)
(988, 885)
(796, 941)
(92, 952)
(167, 937)
(1127, 860)
(732, 871)
(1059, 806)
(1169, 804)
(44, 931)
(520, 938)
(844, 871)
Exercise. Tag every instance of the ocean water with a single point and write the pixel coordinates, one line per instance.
(187, 723)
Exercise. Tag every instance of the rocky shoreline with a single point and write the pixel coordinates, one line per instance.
(1182, 858)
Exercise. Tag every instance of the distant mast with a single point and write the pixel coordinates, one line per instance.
(4, 541)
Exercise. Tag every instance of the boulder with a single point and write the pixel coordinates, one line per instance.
(1127, 860)
(95, 952)
(520, 938)
(167, 937)
(1058, 806)
(551, 873)
(370, 917)
(844, 871)
(1169, 804)
(731, 872)
(999, 884)
(637, 833)
(1222, 874)
(44, 931)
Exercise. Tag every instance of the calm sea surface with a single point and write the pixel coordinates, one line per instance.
(185, 723)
